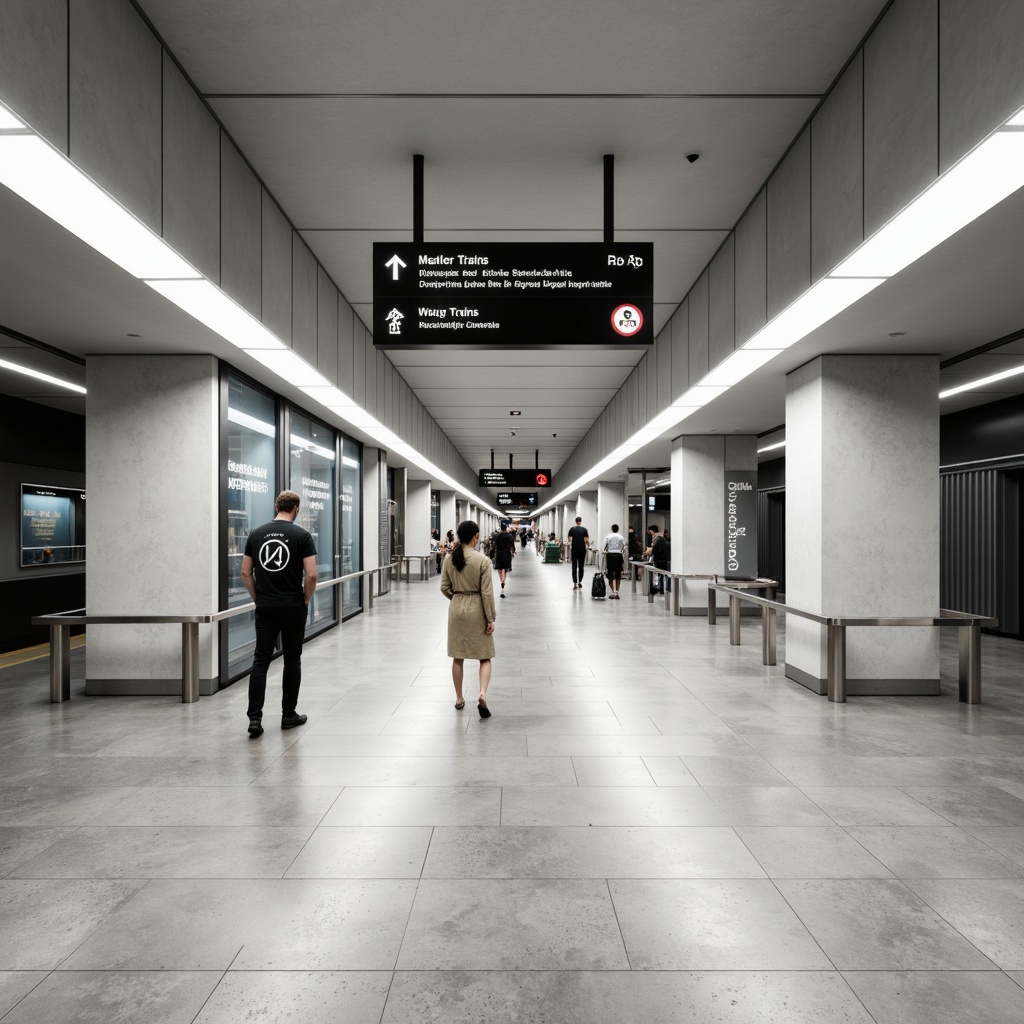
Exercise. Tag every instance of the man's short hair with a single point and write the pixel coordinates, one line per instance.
(652, 528)
(579, 519)
(286, 501)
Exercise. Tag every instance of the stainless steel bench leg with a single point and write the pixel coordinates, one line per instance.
(189, 662)
(970, 664)
(769, 624)
(60, 664)
(734, 621)
(712, 607)
(836, 657)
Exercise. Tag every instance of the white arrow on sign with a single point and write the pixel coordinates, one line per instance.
(394, 263)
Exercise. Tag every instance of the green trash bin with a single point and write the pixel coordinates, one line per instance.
(552, 553)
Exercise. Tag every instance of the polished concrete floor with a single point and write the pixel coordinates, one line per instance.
(652, 827)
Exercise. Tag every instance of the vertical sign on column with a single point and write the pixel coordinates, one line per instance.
(741, 523)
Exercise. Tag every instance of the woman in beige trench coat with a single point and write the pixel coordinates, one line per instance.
(466, 582)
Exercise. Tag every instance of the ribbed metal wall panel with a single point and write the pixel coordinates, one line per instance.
(771, 535)
(979, 559)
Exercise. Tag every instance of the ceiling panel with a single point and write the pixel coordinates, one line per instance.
(528, 46)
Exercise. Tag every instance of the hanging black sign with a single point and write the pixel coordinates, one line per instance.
(741, 523)
(515, 478)
(513, 294)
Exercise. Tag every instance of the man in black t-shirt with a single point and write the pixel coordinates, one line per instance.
(279, 571)
(580, 538)
(504, 552)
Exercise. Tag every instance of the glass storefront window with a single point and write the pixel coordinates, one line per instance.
(251, 490)
(312, 475)
(351, 532)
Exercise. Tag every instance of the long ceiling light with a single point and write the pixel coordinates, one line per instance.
(39, 375)
(44, 177)
(206, 303)
(981, 382)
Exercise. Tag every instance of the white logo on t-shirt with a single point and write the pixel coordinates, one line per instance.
(274, 555)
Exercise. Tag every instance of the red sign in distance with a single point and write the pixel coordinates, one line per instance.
(541, 479)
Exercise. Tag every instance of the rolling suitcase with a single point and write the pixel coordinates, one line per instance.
(597, 588)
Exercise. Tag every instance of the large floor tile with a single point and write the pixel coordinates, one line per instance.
(283, 924)
(935, 853)
(15, 985)
(635, 746)
(734, 771)
(810, 853)
(1007, 840)
(417, 805)
(170, 852)
(57, 805)
(704, 924)
(607, 805)
(579, 852)
(615, 997)
(44, 921)
(116, 997)
(871, 771)
(298, 997)
(990, 912)
(19, 844)
(938, 997)
(875, 924)
(362, 852)
(981, 805)
(498, 745)
(227, 805)
(500, 924)
(869, 805)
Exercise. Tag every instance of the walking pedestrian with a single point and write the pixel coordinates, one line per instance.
(466, 582)
(580, 540)
(614, 548)
(504, 552)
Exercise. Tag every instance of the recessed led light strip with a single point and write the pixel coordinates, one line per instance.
(39, 375)
(49, 181)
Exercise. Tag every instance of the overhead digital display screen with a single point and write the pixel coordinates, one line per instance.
(513, 294)
(509, 499)
(511, 479)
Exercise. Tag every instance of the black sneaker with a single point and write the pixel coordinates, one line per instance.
(255, 728)
(292, 721)
(503, 593)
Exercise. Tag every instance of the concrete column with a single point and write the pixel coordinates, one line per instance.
(611, 508)
(862, 517)
(152, 467)
(586, 506)
(447, 512)
(697, 520)
(417, 519)
(400, 545)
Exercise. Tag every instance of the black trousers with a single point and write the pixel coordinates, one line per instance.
(577, 565)
(290, 625)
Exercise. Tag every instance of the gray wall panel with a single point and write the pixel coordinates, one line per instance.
(326, 326)
(632, 406)
(837, 173)
(346, 348)
(722, 303)
(114, 125)
(34, 64)
(681, 349)
(664, 347)
(642, 412)
(699, 329)
(277, 270)
(789, 227)
(752, 270)
(981, 73)
(304, 304)
(380, 365)
(191, 175)
(358, 392)
(900, 109)
(241, 230)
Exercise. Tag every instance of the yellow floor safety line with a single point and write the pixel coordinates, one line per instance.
(27, 654)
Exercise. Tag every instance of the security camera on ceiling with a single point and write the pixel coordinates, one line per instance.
(692, 157)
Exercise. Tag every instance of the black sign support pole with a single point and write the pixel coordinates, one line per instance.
(509, 460)
(417, 198)
(492, 458)
(536, 458)
(609, 198)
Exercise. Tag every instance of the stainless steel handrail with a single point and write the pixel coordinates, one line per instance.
(60, 624)
(969, 668)
(673, 601)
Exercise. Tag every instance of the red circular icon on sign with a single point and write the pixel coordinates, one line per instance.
(541, 479)
(627, 320)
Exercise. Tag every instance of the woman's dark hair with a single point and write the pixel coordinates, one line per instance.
(467, 531)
